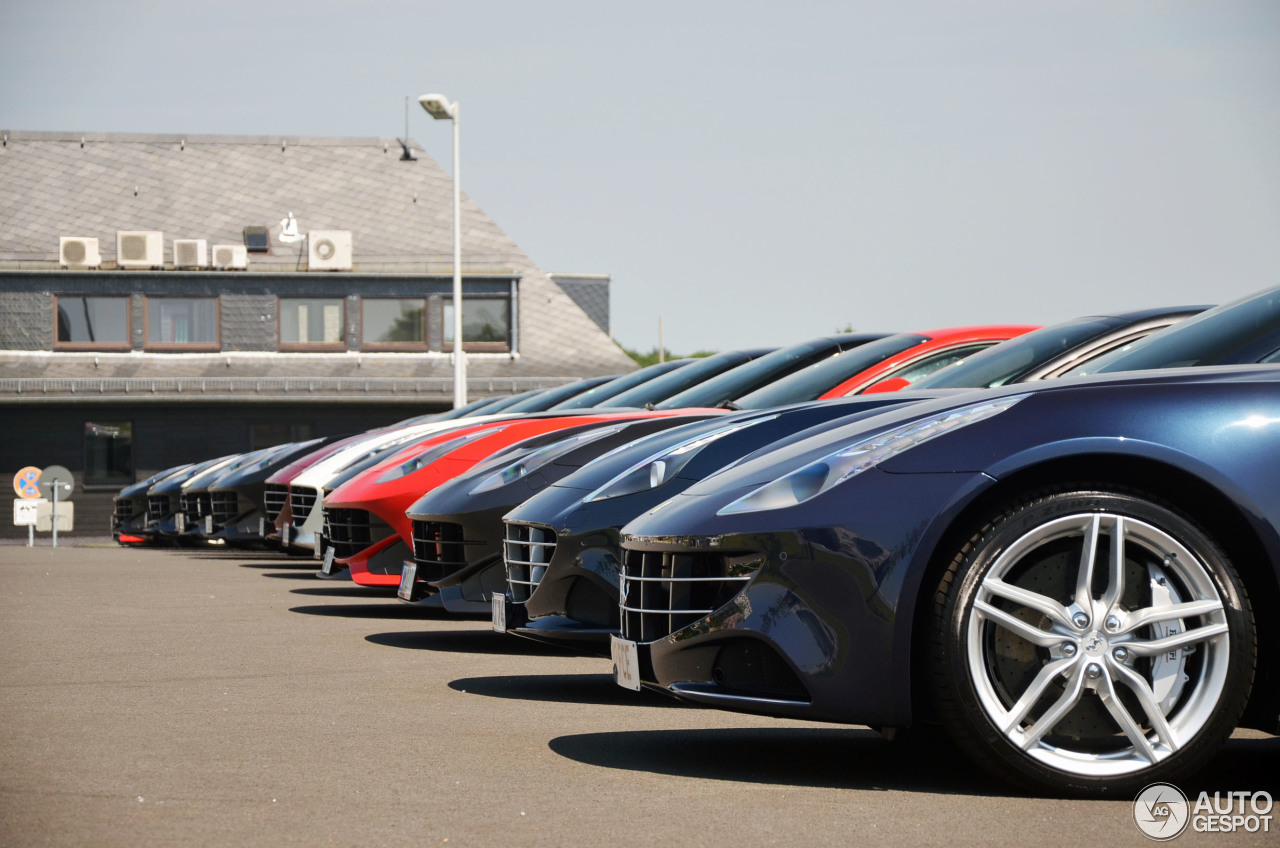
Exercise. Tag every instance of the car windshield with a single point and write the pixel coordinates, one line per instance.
(549, 398)
(747, 378)
(809, 383)
(470, 409)
(661, 388)
(613, 388)
(1009, 360)
(1243, 331)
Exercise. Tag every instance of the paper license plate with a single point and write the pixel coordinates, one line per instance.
(208, 525)
(180, 521)
(408, 574)
(327, 568)
(262, 527)
(499, 602)
(284, 534)
(626, 662)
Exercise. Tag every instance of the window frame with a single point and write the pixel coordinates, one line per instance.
(125, 345)
(417, 346)
(214, 346)
(115, 485)
(478, 347)
(316, 347)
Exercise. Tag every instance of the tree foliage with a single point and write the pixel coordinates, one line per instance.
(651, 356)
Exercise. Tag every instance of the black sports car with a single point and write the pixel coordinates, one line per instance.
(237, 499)
(129, 516)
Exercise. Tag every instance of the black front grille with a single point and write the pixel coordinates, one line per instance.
(196, 505)
(665, 592)
(274, 498)
(754, 668)
(526, 550)
(302, 501)
(588, 603)
(160, 506)
(349, 531)
(124, 510)
(225, 506)
(438, 549)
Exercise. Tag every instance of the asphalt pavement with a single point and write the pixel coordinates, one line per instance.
(157, 697)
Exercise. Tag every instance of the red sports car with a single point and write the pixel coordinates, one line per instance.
(886, 364)
(940, 349)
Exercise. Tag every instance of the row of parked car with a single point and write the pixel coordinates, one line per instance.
(1059, 544)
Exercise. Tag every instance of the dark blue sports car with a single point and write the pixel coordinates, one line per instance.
(1078, 579)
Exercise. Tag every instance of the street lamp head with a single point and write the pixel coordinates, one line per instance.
(439, 107)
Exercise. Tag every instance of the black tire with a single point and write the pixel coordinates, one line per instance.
(1021, 596)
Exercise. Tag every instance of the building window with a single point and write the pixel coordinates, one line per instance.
(184, 323)
(311, 323)
(108, 454)
(92, 323)
(486, 324)
(393, 323)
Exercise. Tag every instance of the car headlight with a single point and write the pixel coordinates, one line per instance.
(425, 458)
(652, 471)
(535, 459)
(822, 474)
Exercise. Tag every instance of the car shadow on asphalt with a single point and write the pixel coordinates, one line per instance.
(853, 758)
(478, 641)
(563, 688)
(310, 566)
(292, 575)
(856, 758)
(347, 590)
(382, 609)
(1242, 764)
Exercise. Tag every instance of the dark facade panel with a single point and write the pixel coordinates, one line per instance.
(249, 322)
(26, 320)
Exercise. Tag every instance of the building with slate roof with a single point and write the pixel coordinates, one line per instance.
(194, 296)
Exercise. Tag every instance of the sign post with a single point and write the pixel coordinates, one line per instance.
(26, 484)
(26, 513)
(55, 484)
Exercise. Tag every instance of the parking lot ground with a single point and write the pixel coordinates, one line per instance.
(159, 697)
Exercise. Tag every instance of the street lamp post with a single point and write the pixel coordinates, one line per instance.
(439, 107)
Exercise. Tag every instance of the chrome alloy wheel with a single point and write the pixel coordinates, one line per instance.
(1097, 644)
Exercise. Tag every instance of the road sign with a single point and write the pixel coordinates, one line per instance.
(66, 519)
(56, 476)
(26, 511)
(26, 483)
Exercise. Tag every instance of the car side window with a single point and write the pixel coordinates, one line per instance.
(924, 367)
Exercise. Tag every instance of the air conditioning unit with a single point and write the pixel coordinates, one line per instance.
(232, 256)
(190, 253)
(139, 249)
(329, 250)
(78, 252)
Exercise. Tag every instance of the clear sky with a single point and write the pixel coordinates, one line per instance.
(753, 172)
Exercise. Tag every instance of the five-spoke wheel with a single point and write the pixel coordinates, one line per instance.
(1092, 641)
